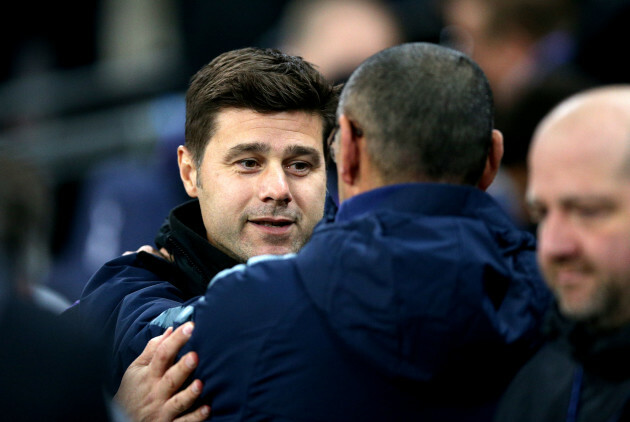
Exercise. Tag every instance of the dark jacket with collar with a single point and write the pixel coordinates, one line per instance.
(580, 375)
(196, 261)
(129, 291)
(419, 302)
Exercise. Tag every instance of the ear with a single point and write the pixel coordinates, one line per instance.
(348, 161)
(187, 170)
(493, 162)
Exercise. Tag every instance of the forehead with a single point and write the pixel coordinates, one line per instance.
(276, 129)
(579, 155)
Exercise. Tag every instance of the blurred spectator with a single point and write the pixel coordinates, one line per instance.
(527, 48)
(338, 35)
(145, 33)
(48, 370)
(516, 42)
(25, 223)
(579, 192)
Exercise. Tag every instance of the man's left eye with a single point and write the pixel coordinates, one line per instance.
(591, 212)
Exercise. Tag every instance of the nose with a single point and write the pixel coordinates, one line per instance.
(273, 185)
(557, 238)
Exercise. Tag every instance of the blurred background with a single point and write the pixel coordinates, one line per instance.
(92, 95)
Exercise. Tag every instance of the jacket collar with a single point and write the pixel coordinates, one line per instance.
(424, 198)
(602, 352)
(184, 237)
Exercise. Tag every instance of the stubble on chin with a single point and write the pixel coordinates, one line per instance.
(589, 307)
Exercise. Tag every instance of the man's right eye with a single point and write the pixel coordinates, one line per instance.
(248, 164)
(536, 214)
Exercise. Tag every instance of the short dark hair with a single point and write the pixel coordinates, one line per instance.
(426, 112)
(263, 80)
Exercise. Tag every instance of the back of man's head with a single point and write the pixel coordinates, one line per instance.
(263, 80)
(426, 112)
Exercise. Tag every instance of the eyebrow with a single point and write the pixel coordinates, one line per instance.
(263, 148)
(572, 200)
(600, 200)
(255, 147)
(297, 150)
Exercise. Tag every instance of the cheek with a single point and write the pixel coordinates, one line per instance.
(223, 195)
(613, 253)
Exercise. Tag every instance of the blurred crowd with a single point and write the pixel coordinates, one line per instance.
(93, 96)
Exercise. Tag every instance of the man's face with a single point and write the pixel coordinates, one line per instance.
(579, 192)
(262, 182)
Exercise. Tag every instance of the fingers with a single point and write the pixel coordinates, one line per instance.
(176, 375)
(169, 347)
(152, 346)
(166, 255)
(134, 381)
(144, 248)
(149, 249)
(183, 400)
(172, 381)
(201, 414)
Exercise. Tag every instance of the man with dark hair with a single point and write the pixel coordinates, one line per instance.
(579, 194)
(228, 102)
(419, 302)
(254, 158)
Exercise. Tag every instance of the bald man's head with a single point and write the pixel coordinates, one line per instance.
(579, 193)
(598, 117)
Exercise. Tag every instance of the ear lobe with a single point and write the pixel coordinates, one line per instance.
(493, 162)
(187, 170)
(348, 161)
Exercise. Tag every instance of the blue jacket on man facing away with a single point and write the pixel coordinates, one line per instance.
(420, 302)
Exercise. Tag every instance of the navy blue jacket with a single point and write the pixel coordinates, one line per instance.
(420, 302)
(130, 291)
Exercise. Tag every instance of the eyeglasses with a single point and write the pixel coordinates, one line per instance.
(332, 138)
(330, 141)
